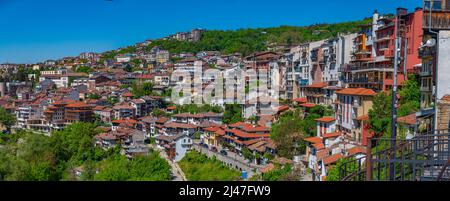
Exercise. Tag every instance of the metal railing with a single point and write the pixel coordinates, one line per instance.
(425, 157)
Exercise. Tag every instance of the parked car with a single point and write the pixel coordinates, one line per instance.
(205, 146)
(214, 149)
(223, 153)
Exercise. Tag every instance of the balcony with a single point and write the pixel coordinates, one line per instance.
(440, 19)
(425, 73)
(368, 67)
(363, 80)
(427, 52)
(426, 89)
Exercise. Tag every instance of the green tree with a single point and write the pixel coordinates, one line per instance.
(380, 114)
(6, 118)
(333, 173)
(409, 97)
(84, 69)
(232, 114)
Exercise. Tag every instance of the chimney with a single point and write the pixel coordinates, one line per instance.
(402, 11)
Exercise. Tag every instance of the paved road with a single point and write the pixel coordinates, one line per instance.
(231, 160)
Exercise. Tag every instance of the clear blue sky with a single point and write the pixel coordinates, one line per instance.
(36, 30)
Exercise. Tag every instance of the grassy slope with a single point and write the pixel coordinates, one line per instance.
(197, 167)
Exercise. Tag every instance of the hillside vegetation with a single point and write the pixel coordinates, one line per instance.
(247, 41)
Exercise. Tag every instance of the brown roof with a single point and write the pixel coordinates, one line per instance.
(331, 135)
(171, 107)
(409, 119)
(326, 119)
(78, 105)
(127, 94)
(300, 100)
(179, 125)
(363, 118)
(242, 134)
(126, 121)
(319, 146)
(317, 85)
(162, 120)
(357, 150)
(308, 105)
(313, 140)
(357, 92)
(332, 159)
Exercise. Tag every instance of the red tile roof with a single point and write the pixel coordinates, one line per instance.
(319, 146)
(126, 121)
(78, 105)
(363, 118)
(308, 105)
(211, 129)
(331, 135)
(179, 125)
(300, 100)
(332, 159)
(318, 85)
(220, 132)
(162, 120)
(127, 94)
(357, 92)
(172, 108)
(242, 134)
(283, 108)
(313, 140)
(409, 119)
(326, 119)
(357, 150)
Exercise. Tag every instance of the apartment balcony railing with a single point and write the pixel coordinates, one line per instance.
(426, 89)
(424, 73)
(362, 81)
(427, 52)
(367, 67)
(304, 62)
(425, 157)
(440, 19)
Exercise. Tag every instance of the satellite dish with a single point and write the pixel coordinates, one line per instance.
(431, 42)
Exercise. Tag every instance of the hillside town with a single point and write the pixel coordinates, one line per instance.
(332, 83)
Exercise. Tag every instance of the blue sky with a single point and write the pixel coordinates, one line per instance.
(36, 30)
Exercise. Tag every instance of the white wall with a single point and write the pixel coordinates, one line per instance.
(443, 66)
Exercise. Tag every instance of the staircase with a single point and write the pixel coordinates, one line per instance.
(426, 157)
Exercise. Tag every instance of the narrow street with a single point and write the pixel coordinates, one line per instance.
(232, 160)
(177, 173)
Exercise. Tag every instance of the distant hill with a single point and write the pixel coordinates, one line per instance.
(247, 41)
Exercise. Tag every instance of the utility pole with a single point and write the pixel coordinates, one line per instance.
(394, 102)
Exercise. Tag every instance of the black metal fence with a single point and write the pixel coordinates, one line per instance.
(425, 157)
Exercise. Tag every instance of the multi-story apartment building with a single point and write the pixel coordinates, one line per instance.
(78, 112)
(353, 105)
(123, 111)
(434, 72)
(263, 65)
(61, 113)
(374, 47)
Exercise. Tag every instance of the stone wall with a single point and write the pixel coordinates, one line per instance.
(443, 118)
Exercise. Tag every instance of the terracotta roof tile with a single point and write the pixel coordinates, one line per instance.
(332, 159)
(326, 119)
(409, 119)
(357, 92)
